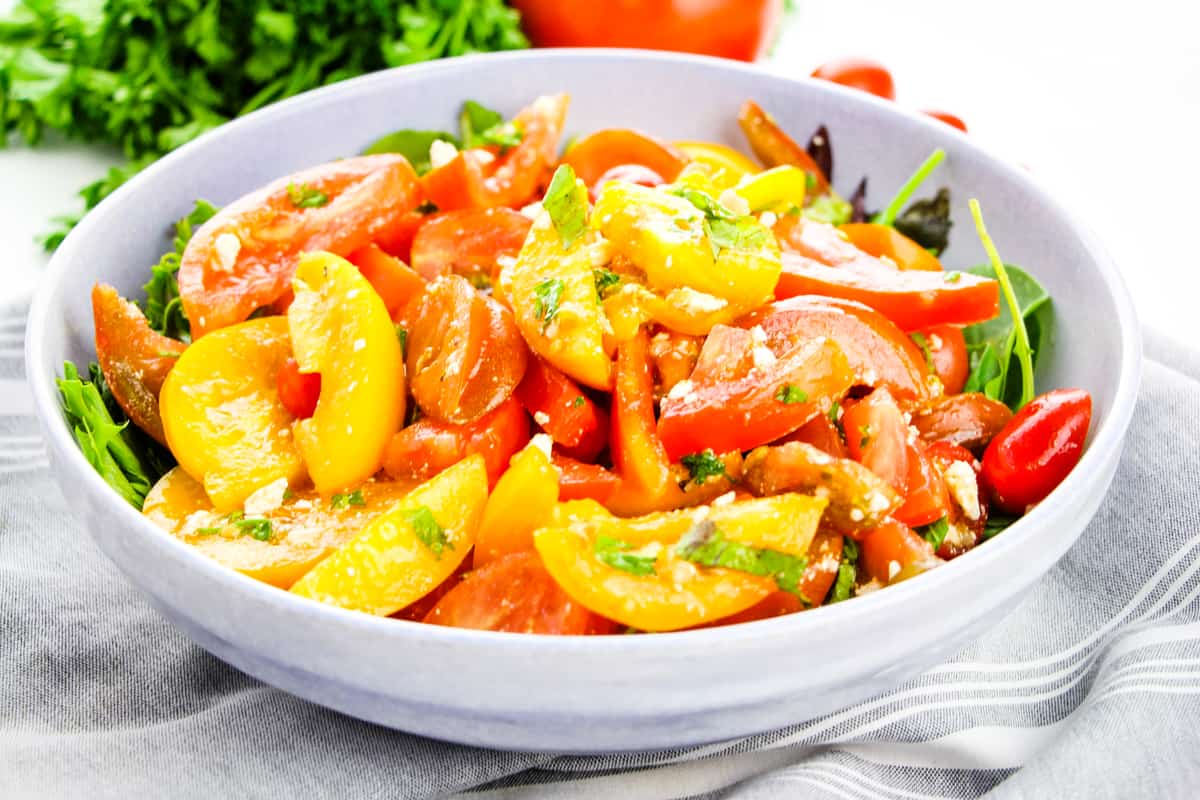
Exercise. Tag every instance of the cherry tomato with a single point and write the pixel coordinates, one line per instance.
(134, 358)
(948, 118)
(395, 283)
(859, 73)
(740, 29)
(465, 354)
(1037, 449)
(877, 437)
(563, 410)
(396, 239)
(630, 173)
(597, 154)
(885, 241)
(893, 552)
(971, 420)
(879, 353)
(945, 454)
(580, 481)
(479, 178)
(427, 447)
(243, 258)
(926, 498)
(468, 242)
(516, 594)
(298, 391)
(822, 433)
(775, 148)
(948, 353)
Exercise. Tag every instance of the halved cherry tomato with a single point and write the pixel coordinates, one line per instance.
(775, 148)
(479, 179)
(516, 594)
(971, 420)
(579, 481)
(948, 353)
(1037, 449)
(396, 239)
(859, 73)
(878, 352)
(395, 283)
(243, 258)
(563, 410)
(465, 354)
(594, 155)
(727, 354)
(638, 454)
(926, 499)
(952, 120)
(877, 437)
(740, 29)
(893, 552)
(767, 403)
(630, 173)
(913, 299)
(944, 456)
(884, 241)
(674, 356)
(427, 447)
(298, 391)
(134, 358)
(468, 242)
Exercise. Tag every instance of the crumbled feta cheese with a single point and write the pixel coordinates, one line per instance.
(688, 300)
(505, 262)
(734, 202)
(763, 357)
(534, 211)
(857, 514)
(542, 441)
(266, 499)
(768, 219)
(960, 479)
(483, 157)
(893, 570)
(197, 520)
(359, 344)
(959, 538)
(725, 499)
(541, 418)
(680, 390)
(226, 247)
(441, 153)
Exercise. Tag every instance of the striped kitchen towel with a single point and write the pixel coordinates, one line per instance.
(1089, 688)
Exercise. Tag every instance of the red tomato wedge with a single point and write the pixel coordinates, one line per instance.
(134, 358)
(468, 242)
(877, 437)
(395, 283)
(515, 594)
(892, 552)
(480, 179)
(884, 241)
(913, 300)
(637, 453)
(879, 352)
(396, 239)
(822, 433)
(726, 355)
(563, 410)
(594, 155)
(580, 481)
(743, 413)
(427, 447)
(775, 148)
(927, 499)
(243, 258)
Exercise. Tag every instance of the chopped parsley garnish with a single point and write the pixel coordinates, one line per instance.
(402, 335)
(305, 196)
(481, 126)
(923, 343)
(258, 527)
(234, 516)
(548, 295)
(724, 228)
(347, 499)
(864, 432)
(834, 412)
(935, 532)
(566, 202)
(427, 529)
(606, 281)
(843, 587)
(577, 402)
(208, 531)
(790, 393)
(702, 466)
(707, 546)
(615, 553)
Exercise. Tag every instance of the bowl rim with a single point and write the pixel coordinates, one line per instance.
(1105, 441)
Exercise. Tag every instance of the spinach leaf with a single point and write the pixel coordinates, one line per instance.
(927, 222)
(412, 144)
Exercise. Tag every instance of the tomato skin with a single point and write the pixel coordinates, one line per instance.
(298, 391)
(821, 433)
(638, 454)
(516, 594)
(396, 239)
(427, 447)
(894, 542)
(884, 240)
(877, 437)
(952, 120)
(927, 499)
(602, 152)
(740, 29)
(863, 74)
(948, 351)
(572, 419)
(243, 258)
(468, 242)
(1037, 449)
(395, 283)
(775, 148)
(580, 481)
(970, 420)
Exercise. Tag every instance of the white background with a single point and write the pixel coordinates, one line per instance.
(1101, 100)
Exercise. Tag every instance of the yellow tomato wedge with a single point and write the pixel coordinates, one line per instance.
(632, 570)
(552, 292)
(524, 499)
(778, 188)
(726, 165)
(222, 415)
(340, 328)
(300, 531)
(408, 550)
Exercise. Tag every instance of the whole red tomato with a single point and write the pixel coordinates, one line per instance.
(740, 29)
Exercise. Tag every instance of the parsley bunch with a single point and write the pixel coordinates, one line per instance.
(150, 75)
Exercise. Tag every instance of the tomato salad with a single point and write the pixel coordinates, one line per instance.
(639, 386)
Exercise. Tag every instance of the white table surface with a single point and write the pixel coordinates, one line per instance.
(1103, 105)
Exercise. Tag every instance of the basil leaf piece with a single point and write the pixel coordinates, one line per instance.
(615, 553)
(566, 202)
(427, 529)
(707, 546)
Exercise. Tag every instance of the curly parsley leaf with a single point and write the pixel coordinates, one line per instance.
(344, 500)
(427, 529)
(702, 466)
(163, 307)
(606, 281)
(566, 202)
(790, 393)
(257, 527)
(305, 196)
(707, 546)
(723, 228)
(615, 553)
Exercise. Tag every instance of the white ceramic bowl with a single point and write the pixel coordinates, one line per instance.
(576, 694)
